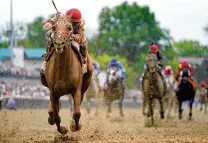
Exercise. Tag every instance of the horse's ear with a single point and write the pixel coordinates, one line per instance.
(69, 16)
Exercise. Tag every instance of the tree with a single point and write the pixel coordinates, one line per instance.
(35, 36)
(191, 48)
(127, 30)
(19, 34)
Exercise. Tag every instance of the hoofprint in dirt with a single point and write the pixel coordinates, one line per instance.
(32, 126)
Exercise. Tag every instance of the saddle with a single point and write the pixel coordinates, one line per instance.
(76, 48)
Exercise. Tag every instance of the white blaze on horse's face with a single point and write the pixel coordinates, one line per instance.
(152, 62)
(63, 30)
(112, 75)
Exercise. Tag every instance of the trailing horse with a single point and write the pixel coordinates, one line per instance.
(114, 90)
(185, 92)
(153, 87)
(63, 74)
(170, 99)
(94, 92)
(203, 98)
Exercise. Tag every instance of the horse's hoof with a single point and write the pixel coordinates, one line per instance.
(51, 121)
(180, 117)
(73, 126)
(162, 116)
(62, 130)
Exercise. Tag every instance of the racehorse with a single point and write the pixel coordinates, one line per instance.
(185, 92)
(114, 90)
(203, 98)
(94, 91)
(170, 99)
(63, 74)
(153, 87)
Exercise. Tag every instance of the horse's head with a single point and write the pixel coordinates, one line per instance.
(63, 31)
(152, 62)
(112, 75)
(185, 74)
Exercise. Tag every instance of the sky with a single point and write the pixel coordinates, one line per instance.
(184, 18)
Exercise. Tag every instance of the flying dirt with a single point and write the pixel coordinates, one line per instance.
(32, 126)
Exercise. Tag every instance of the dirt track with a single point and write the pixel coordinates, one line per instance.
(32, 126)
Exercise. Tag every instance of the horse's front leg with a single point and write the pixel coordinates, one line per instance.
(151, 110)
(161, 108)
(190, 108)
(56, 118)
(120, 104)
(144, 102)
(75, 126)
(180, 110)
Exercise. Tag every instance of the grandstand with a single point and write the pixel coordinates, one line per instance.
(32, 57)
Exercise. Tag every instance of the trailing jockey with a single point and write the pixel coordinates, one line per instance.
(154, 48)
(78, 34)
(168, 72)
(181, 66)
(115, 63)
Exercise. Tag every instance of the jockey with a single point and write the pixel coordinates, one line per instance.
(96, 67)
(168, 71)
(203, 84)
(78, 33)
(115, 63)
(185, 64)
(154, 48)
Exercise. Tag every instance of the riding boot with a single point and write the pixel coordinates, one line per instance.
(83, 51)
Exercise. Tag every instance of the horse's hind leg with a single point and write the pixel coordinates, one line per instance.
(75, 126)
(180, 110)
(161, 108)
(87, 105)
(109, 108)
(120, 105)
(55, 106)
(205, 110)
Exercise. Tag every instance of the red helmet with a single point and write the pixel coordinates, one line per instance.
(153, 48)
(203, 84)
(75, 14)
(184, 64)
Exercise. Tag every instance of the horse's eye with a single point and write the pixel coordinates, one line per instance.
(70, 28)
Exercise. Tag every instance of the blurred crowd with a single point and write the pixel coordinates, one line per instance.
(22, 87)
(8, 70)
(19, 81)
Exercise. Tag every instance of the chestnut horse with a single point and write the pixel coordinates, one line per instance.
(63, 74)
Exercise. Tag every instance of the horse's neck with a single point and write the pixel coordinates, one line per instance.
(153, 77)
(63, 60)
